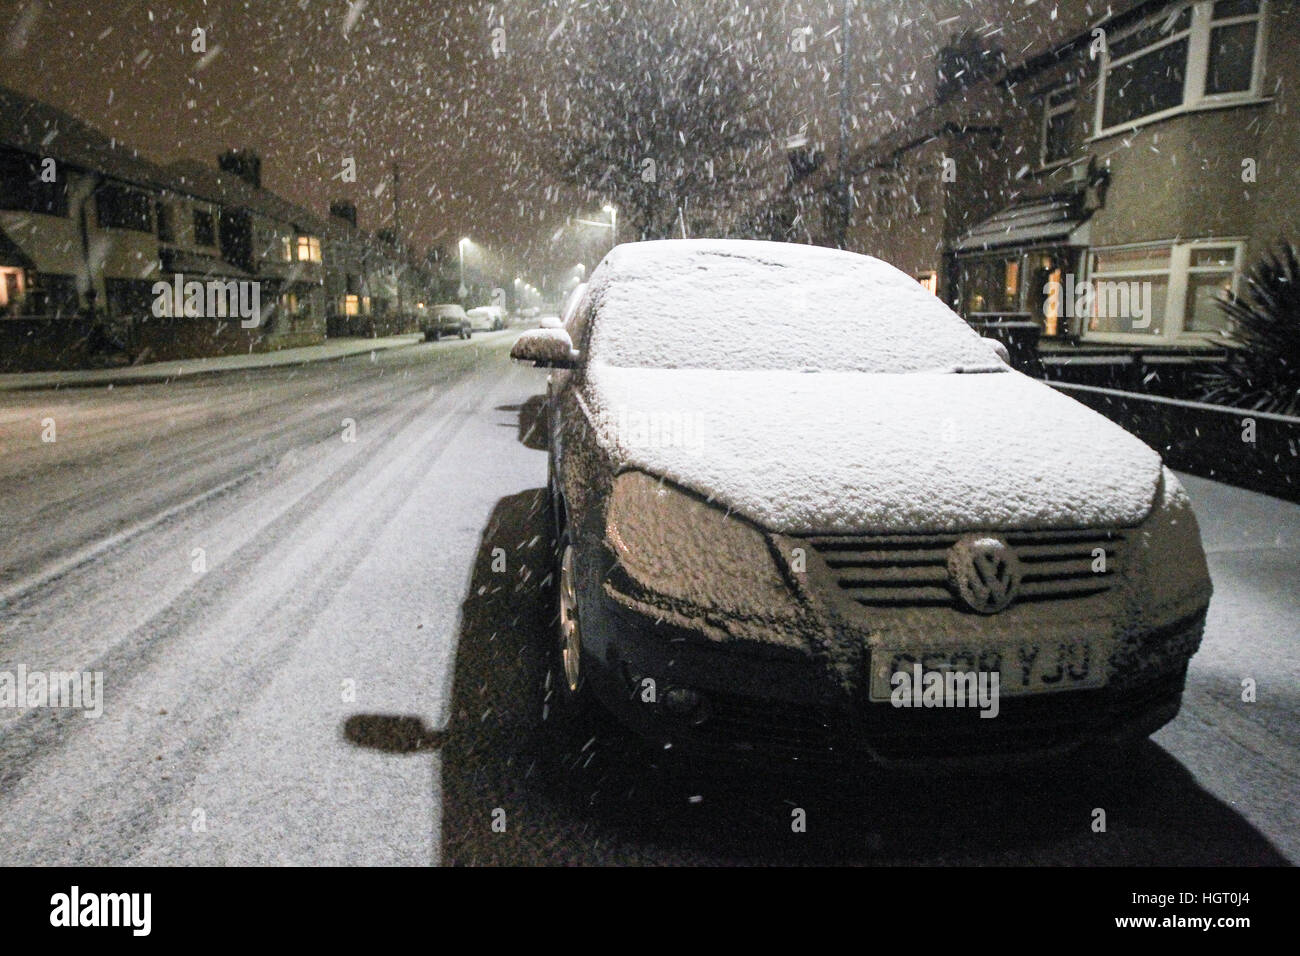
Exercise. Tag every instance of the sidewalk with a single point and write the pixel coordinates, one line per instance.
(169, 371)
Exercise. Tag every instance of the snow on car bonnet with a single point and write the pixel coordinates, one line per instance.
(737, 304)
(698, 372)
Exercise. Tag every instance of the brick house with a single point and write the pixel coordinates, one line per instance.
(1156, 148)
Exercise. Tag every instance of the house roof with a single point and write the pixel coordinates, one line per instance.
(193, 177)
(1025, 222)
(41, 130)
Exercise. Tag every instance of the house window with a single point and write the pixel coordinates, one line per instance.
(129, 297)
(929, 282)
(23, 185)
(163, 216)
(205, 228)
(122, 208)
(286, 248)
(308, 249)
(990, 285)
(1199, 54)
(351, 305)
(1161, 293)
(886, 192)
(1058, 122)
(1211, 273)
(11, 290)
(52, 295)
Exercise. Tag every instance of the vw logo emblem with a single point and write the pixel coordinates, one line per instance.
(984, 571)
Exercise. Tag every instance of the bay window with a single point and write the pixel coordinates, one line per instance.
(1188, 56)
(1161, 292)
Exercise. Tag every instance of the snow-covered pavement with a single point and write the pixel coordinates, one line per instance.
(280, 614)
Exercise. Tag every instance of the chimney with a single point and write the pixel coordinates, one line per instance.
(344, 210)
(244, 163)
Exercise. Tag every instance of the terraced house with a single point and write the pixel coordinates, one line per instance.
(88, 227)
(1153, 153)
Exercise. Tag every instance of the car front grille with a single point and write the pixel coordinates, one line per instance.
(911, 570)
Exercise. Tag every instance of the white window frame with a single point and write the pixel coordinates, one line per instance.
(1050, 111)
(1180, 268)
(1198, 58)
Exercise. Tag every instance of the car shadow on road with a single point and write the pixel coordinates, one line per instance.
(531, 422)
(513, 795)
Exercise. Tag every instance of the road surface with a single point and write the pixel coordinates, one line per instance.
(315, 594)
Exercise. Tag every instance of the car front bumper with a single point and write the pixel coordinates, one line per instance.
(776, 706)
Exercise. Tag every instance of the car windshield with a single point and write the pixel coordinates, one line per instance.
(726, 304)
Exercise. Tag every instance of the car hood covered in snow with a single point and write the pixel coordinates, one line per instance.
(876, 453)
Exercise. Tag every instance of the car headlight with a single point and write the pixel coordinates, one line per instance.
(677, 546)
(1172, 578)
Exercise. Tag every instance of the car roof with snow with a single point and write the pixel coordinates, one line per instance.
(748, 304)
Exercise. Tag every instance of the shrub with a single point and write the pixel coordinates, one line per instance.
(1262, 370)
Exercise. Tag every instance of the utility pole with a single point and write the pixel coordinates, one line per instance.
(841, 177)
(397, 236)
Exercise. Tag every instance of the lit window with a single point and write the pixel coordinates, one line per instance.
(11, 288)
(351, 305)
(1211, 271)
(1196, 54)
(308, 249)
(929, 282)
(1011, 282)
(1162, 292)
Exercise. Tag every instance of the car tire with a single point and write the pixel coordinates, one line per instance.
(567, 699)
(428, 336)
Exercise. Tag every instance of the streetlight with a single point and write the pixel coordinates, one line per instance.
(461, 248)
(613, 224)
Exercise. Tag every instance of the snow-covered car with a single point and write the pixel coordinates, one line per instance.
(571, 303)
(446, 319)
(487, 318)
(804, 511)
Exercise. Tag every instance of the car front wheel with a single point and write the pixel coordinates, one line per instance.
(568, 698)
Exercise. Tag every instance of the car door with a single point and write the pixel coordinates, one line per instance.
(561, 397)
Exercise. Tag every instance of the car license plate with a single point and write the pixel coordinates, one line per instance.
(1029, 667)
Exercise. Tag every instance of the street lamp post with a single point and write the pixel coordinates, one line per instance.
(841, 177)
(613, 224)
(462, 292)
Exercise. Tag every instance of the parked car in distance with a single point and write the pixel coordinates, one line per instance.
(487, 318)
(805, 514)
(446, 319)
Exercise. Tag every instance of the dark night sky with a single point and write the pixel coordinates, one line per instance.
(308, 82)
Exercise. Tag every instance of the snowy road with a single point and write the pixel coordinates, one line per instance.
(280, 614)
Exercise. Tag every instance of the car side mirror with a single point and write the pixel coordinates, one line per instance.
(551, 348)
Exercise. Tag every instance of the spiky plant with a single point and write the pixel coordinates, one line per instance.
(1262, 370)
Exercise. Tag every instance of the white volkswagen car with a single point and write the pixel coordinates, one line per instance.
(805, 512)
